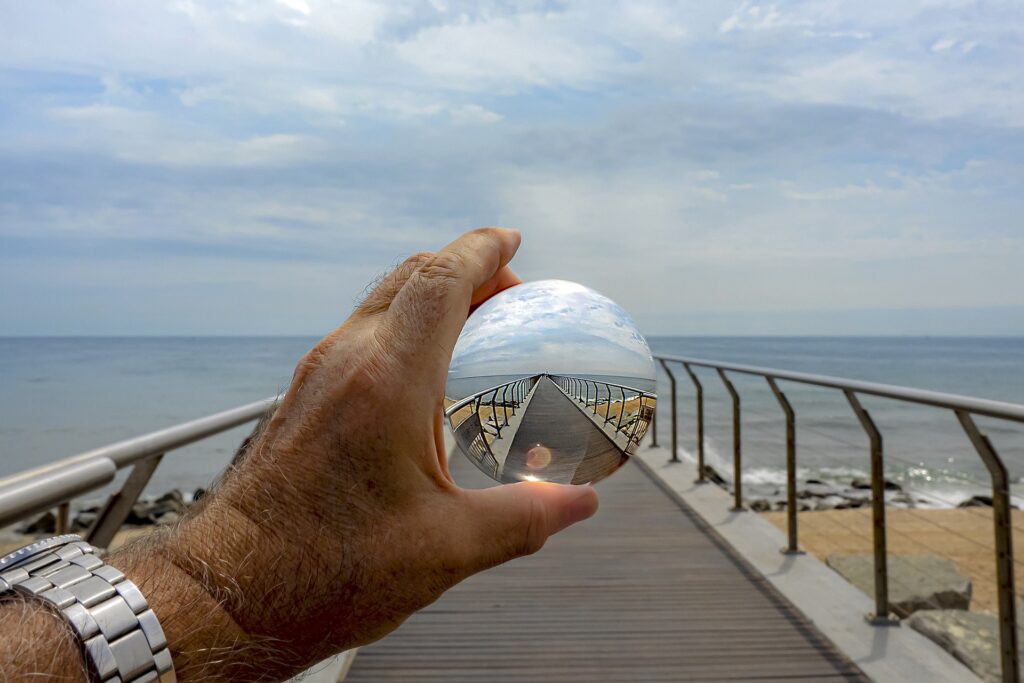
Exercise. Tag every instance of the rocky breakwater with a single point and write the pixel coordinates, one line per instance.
(147, 511)
(815, 494)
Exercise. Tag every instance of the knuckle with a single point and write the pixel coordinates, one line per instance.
(417, 260)
(446, 266)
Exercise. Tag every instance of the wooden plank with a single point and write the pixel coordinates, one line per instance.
(642, 592)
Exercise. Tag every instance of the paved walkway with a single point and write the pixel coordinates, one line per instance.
(642, 592)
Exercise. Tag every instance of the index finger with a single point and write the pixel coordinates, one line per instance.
(432, 306)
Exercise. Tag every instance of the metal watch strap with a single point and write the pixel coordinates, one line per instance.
(120, 634)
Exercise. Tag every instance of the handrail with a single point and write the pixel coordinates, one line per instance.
(964, 407)
(463, 402)
(578, 389)
(36, 489)
(978, 406)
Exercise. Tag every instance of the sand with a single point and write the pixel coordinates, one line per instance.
(964, 536)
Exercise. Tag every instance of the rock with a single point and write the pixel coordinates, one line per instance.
(831, 503)
(172, 501)
(916, 582)
(976, 501)
(817, 482)
(713, 476)
(971, 637)
(83, 520)
(197, 494)
(865, 484)
(45, 523)
(816, 491)
(169, 518)
(760, 505)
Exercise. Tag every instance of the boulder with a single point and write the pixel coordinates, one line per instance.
(971, 637)
(865, 483)
(760, 505)
(916, 582)
(976, 501)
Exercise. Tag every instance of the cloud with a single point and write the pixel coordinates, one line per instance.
(676, 156)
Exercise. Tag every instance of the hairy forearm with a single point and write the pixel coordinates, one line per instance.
(205, 641)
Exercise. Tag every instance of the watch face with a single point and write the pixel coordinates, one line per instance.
(31, 550)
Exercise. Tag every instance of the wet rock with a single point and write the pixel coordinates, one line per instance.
(760, 505)
(198, 494)
(714, 477)
(817, 490)
(916, 582)
(865, 484)
(971, 637)
(831, 503)
(976, 501)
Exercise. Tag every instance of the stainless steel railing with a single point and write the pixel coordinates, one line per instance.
(608, 402)
(55, 484)
(964, 407)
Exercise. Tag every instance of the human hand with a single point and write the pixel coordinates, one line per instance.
(341, 519)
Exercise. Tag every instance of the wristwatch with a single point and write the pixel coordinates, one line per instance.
(119, 634)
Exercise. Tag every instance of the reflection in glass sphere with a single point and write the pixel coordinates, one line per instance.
(550, 381)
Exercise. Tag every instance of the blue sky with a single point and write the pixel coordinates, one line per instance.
(553, 327)
(730, 167)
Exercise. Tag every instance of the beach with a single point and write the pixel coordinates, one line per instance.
(963, 536)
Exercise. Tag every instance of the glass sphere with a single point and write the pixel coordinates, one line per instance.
(550, 381)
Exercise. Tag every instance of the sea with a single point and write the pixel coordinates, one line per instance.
(62, 396)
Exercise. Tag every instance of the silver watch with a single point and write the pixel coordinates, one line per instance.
(120, 635)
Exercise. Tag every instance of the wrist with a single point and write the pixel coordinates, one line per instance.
(205, 640)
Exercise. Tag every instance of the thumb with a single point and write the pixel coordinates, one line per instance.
(516, 519)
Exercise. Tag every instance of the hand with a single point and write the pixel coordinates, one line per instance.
(341, 519)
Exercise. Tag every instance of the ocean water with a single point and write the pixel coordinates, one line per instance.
(925, 448)
(63, 396)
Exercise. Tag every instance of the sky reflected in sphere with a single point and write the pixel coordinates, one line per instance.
(550, 381)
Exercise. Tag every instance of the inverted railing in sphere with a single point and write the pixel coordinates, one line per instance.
(607, 402)
(964, 407)
(502, 402)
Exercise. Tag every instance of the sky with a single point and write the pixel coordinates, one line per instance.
(552, 327)
(827, 167)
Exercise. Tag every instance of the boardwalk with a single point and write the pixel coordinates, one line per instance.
(639, 593)
(586, 452)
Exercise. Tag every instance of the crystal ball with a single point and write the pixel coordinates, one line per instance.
(550, 381)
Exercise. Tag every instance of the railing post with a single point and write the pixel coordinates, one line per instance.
(1008, 653)
(111, 517)
(881, 616)
(793, 548)
(654, 426)
(62, 519)
(675, 431)
(737, 444)
(700, 423)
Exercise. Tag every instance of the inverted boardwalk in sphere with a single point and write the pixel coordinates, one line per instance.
(641, 592)
(584, 451)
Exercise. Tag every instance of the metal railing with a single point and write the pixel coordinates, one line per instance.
(965, 408)
(607, 403)
(503, 400)
(55, 484)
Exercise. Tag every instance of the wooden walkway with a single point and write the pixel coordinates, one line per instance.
(641, 592)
